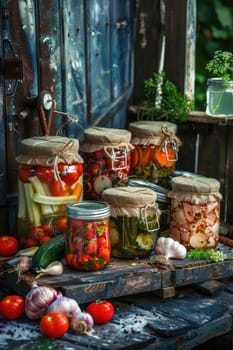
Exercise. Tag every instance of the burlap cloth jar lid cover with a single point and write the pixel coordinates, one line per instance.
(98, 138)
(195, 190)
(131, 201)
(49, 151)
(148, 132)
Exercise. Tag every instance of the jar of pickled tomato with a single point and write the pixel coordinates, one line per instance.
(155, 151)
(88, 241)
(50, 175)
(106, 153)
(195, 211)
(134, 221)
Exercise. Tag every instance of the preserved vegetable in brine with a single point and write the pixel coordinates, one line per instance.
(195, 211)
(50, 176)
(88, 241)
(106, 153)
(155, 151)
(134, 221)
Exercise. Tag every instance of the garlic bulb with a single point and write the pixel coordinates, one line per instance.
(170, 248)
(38, 299)
(65, 305)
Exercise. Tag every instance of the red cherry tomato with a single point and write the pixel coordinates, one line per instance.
(37, 233)
(12, 307)
(44, 173)
(25, 171)
(62, 224)
(70, 173)
(54, 324)
(8, 245)
(58, 188)
(101, 311)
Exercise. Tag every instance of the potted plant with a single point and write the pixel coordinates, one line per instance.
(219, 97)
(163, 101)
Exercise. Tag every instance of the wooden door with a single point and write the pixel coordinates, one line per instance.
(81, 52)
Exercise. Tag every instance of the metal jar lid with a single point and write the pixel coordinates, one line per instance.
(88, 210)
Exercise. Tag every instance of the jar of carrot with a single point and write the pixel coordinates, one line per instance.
(155, 151)
(106, 153)
(50, 175)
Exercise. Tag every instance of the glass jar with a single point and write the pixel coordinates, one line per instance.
(195, 211)
(219, 97)
(88, 241)
(162, 200)
(106, 154)
(134, 221)
(50, 175)
(155, 151)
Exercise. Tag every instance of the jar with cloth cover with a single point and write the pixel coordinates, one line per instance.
(155, 151)
(195, 211)
(134, 221)
(106, 153)
(50, 176)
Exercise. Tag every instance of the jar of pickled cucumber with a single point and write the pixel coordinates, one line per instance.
(134, 221)
(155, 151)
(106, 153)
(50, 175)
(195, 211)
(87, 245)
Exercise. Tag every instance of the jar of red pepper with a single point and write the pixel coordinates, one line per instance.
(106, 153)
(88, 240)
(155, 151)
(50, 176)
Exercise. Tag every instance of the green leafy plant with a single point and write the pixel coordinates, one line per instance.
(163, 101)
(220, 99)
(221, 65)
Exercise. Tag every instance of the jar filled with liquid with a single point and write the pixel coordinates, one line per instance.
(195, 211)
(219, 98)
(50, 175)
(88, 241)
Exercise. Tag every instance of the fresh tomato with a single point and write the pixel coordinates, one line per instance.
(54, 324)
(45, 173)
(70, 173)
(8, 245)
(25, 171)
(58, 188)
(12, 307)
(101, 311)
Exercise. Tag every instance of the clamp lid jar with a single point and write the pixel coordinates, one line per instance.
(134, 221)
(195, 211)
(155, 151)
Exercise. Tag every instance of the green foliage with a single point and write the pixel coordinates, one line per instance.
(214, 32)
(221, 65)
(206, 254)
(163, 100)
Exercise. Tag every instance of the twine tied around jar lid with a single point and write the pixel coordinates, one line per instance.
(133, 202)
(49, 151)
(154, 133)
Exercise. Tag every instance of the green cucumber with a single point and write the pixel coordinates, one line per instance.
(48, 252)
